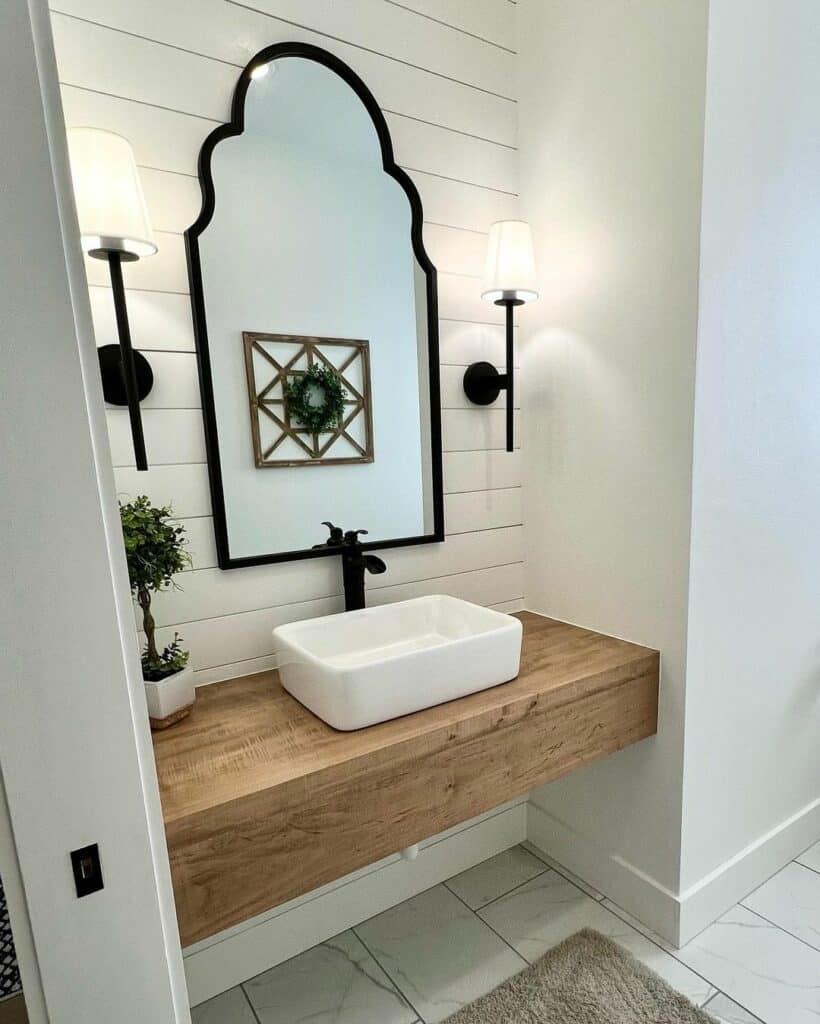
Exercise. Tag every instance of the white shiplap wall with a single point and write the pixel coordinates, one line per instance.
(162, 72)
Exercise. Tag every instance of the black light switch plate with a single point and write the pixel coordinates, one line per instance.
(87, 870)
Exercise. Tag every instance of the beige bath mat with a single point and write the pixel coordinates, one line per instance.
(587, 979)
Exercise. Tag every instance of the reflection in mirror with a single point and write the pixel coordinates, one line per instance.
(315, 313)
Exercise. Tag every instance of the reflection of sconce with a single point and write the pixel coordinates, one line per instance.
(114, 227)
(509, 281)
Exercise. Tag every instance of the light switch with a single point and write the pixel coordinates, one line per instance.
(87, 870)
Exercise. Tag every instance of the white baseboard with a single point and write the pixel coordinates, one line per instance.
(237, 954)
(643, 897)
(675, 917)
(732, 881)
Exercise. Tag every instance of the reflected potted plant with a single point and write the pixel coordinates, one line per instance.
(155, 551)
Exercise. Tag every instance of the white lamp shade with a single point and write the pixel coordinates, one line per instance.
(110, 204)
(509, 273)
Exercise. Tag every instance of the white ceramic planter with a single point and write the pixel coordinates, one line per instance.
(170, 699)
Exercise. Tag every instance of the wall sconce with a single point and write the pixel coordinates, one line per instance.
(114, 226)
(509, 281)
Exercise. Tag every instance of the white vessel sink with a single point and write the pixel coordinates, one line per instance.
(363, 667)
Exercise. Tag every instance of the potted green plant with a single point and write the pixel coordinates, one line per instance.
(155, 550)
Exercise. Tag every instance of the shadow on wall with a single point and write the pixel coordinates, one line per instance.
(9, 975)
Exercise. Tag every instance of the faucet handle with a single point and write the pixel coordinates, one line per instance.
(336, 537)
(352, 536)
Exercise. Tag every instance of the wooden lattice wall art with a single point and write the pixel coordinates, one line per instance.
(278, 441)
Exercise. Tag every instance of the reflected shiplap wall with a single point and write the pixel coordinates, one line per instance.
(162, 74)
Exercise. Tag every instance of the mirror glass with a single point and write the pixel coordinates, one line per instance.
(314, 308)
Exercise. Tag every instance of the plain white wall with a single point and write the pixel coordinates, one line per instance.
(162, 74)
(753, 691)
(610, 133)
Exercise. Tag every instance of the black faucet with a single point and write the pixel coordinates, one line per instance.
(354, 563)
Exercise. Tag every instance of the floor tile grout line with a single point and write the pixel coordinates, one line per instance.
(256, 1016)
(564, 872)
(495, 899)
(381, 967)
(807, 866)
(618, 912)
(354, 929)
(675, 953)
(487, 924)
(501, 896)
(731, 999)
(779, 927)
(613, 908)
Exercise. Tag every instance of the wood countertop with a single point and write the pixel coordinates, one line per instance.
(252, 783)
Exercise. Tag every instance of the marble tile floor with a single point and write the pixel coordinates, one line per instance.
(418, 962)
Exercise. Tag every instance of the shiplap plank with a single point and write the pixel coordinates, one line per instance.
(245, 667)
(159, 320)
(481, 470)
(200, 544)
(227, 639)
(163, 139)
(460, 299)
(398, 33)
(171, 435)
(460, 204)
(477, 429)
(92, 57)
(482, 510)
(463, 343)
(176, 384)
(182, 487)
(440, 151)
(209, 593)
(173, 200)
(486, 586)
(215, 29)
(490, 21)
(456, 251)
(231, 638)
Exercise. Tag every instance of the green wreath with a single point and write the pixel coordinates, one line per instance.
(300, 395)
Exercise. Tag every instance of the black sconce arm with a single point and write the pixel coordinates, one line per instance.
(483, 383)
(127, 377)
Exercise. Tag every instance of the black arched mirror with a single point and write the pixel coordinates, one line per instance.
(316, 320)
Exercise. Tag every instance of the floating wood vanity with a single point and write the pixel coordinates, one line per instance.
(263, 802)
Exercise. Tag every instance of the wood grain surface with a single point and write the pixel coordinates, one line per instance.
(263, 802)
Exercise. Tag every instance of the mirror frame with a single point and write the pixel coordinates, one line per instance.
(235, 127)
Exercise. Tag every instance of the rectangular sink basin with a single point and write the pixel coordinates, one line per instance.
(364, 667)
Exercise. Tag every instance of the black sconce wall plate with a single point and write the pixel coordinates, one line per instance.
(483, 383)
(113, 381)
